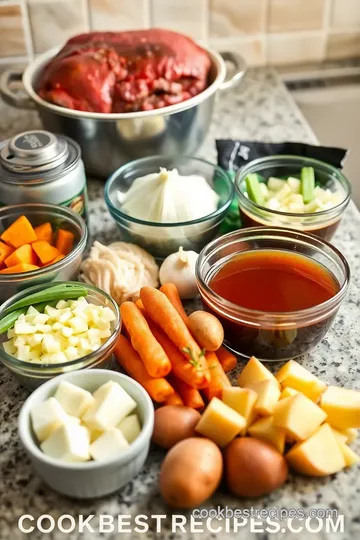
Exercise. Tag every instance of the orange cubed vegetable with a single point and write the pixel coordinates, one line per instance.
(19, 233)
(64, 241)
(44, 232)
(5, 251)
(23, 254)
(58, 258)
(23, 267)
(45, 251)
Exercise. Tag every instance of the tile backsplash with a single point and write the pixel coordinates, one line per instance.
(275, 32)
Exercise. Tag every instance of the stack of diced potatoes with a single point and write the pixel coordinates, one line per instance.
(24, 248)
(75, 425)
(294, 408)
(71, 330)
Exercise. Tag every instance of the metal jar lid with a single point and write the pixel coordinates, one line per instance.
(37, 156)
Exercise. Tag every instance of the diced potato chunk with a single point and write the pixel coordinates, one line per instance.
(348, 454)
(319, 455)
(110, 444)
(68, 443)
(254, 371)
(299, 416)
(220, 423)
(287, 392)
(242, 400)
(342, 407)
(73, 399)
(47, 417)
(268, 394)
(264, 429)
(130, 427)
(296, 376)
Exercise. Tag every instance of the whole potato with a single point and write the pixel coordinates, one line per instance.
(173, 423)
(206, 329)
(190, 473)
(253, 467)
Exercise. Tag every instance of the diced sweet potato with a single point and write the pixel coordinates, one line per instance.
(23, 267)
(23, 254)
(44, 232)
(64, 241)
(19, 233)
(5, 251)
(45, 251)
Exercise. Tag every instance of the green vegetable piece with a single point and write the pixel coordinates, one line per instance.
(307, 184)
(9, 320)
(253, 189)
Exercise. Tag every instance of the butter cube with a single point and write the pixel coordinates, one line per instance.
(47, 417)
(319, 455)
(287, 392)
(220, 423)
(242, 400)
(111, 405)
(342, 407)
(130, 427)
(299, 416)
(110, 444)
(69, 443)
(264, 429)
(294, 375)
(254, 371)
(73, 399)
(268, 394)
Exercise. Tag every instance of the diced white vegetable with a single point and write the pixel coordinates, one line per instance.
(44, 328)
(41, 318)
(32, 311)
(50, 345)
(294, 184)
(69, 443)
(78, 325)
(111, 405)
(312, 206)
(264, 190)
(24, 328)
(108, 314)
(130, 427)
(9, 347)
(273, 204)
(275, 184)
(73, 399)
(23, 353)
(51, 311)
(283, 193)
(108, 445)
(47, 417)
(71, 353)
(65, 316)
(62, 304)
(67, 331)
(296, 208)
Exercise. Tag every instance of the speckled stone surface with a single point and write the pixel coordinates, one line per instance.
(261, 110)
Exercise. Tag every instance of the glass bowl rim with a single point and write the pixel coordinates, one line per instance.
(263, 315)
(87, 358)
(53, 209)
(116, 212)
(240, 177)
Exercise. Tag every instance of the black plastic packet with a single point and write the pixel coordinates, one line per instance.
(233, 155)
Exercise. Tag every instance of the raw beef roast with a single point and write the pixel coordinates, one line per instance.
(125, 71)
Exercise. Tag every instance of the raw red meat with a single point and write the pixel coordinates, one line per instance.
(125, 71)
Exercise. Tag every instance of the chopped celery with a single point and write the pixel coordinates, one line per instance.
(253, 189)
(307, 184)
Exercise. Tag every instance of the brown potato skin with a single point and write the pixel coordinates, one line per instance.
(206, 329)
(190, 473)
(173, 423)
(253, 468)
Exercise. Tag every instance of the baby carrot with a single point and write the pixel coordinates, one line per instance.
(219, 380)
(175, 399)
(158, 388)
(191, 396)
(161, 310)
(143, 341)
(170, 290)
(226, 358)
(140, 305)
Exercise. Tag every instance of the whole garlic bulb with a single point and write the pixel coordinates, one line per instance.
(179, 269)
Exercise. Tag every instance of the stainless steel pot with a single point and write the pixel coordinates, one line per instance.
(109, 140)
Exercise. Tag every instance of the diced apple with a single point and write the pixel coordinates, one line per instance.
(264, 429)
(319, 455)
(242, 400)
(220, 423)
(254, 371)
(296, 376)
(287, 392)
(268, 393)
(342, 407)
(299, 416)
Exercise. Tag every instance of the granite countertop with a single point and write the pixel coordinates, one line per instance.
(261, 109)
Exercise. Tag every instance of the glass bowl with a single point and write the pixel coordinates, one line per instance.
(161, 239)
(323, 223)
(271, 336)
(31, 374)
(64, 270)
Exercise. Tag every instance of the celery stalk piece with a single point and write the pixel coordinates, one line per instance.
(307, 184)
(253, 189)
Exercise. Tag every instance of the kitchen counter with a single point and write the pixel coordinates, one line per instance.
(261, 110)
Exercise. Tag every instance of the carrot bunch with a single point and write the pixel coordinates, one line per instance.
(162, 355)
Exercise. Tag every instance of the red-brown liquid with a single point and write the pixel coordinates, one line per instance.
(274, 281)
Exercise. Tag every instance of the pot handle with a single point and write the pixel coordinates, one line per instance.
(239, 68)
(16, 98)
